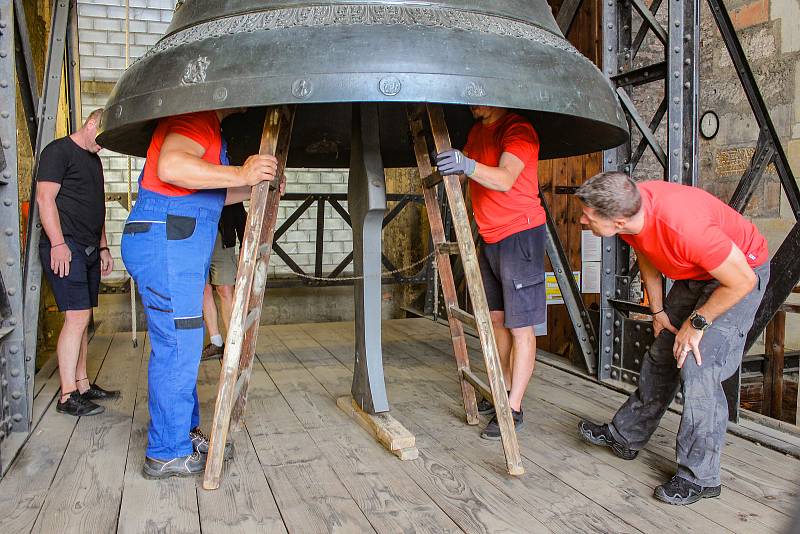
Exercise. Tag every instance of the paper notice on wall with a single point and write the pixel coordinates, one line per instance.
(551, 289)
(591, 247)
(590, 276)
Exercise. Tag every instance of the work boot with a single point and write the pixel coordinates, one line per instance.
(601, 435)
(200, 442)
(183, 466)
(77, 405)
(680, 491)
(492, 430)
(95, 392)
(212, 352)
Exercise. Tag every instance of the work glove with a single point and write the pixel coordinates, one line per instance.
(454, 162)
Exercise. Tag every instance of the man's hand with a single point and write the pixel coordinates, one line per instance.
(454, 162)
(60, 258)
(106, 263)
(258, 169)
(661, 322)
(687, 340)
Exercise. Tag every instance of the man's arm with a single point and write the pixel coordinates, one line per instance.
(60, 255)
(501, 178)
(181, 163)
(736, 279)
(655, 291)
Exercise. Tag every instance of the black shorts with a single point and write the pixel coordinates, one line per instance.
(79, 289)
(513, 276)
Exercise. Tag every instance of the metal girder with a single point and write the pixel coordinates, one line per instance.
(643, 29)
(14, 400)
(582, 327)
(653, 126)
(48, 110)
(762, 157)
(648, 17)
(641, 75)
(648, 135)
(683, 53)
(26, 71)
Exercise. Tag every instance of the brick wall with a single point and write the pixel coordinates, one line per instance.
(102, 49)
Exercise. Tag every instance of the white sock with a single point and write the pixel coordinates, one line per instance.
(217, 340)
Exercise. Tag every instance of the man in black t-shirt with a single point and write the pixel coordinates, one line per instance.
(74, 253)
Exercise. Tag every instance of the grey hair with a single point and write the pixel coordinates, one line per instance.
(611, 194)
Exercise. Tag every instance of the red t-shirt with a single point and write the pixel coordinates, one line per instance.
(500, 214)
(203, 128)
(689, 232)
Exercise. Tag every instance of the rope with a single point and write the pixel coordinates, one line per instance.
(130, 170)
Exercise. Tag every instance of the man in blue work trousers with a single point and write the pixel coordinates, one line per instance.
(166, 247)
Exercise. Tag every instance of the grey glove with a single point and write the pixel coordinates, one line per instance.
(454, 162)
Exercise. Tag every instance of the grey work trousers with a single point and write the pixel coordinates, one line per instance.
(701, 434)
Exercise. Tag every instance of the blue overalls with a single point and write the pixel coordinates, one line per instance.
(166, 247)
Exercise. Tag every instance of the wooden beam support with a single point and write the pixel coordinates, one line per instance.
(383, 427)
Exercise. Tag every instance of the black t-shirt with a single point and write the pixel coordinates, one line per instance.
(81, 199)
(231, 224)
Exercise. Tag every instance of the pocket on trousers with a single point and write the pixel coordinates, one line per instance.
(156, 300)
(135, 227)
(525, 291)
(180, 227)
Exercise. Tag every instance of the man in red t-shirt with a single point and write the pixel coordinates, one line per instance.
(720, 265)
(166, 246)
(501, 160)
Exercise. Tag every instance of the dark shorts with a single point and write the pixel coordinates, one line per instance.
(513, 277)
(79, 289)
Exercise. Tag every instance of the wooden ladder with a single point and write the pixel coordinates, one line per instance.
(465, 247)
(251, 281)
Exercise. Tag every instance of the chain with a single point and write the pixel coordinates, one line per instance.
(435, 290)
(351, 278)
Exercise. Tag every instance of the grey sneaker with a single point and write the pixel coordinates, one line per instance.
(78, 405)
(601, 435)
(212, 352)
(183, 466)
(492, 430)
(200, 442)
(680, 491)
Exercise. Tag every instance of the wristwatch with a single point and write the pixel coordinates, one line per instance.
(698, 322)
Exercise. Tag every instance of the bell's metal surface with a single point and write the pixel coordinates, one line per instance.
(254, 53)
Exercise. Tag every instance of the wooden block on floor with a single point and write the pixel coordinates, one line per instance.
(383, 427)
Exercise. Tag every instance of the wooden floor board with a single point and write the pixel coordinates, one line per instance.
(92, 468)
(244, 502)
(302, 465)
(24, 487)
(715, 510)
(168, 505)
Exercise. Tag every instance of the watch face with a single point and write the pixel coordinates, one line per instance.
(709, 125)
(698, 322)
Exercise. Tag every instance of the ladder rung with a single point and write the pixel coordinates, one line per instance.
(432, 180)
(449, 248)
(252, 317)
(478, 384)
(464, 317)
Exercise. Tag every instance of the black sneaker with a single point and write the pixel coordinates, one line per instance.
(183, 466)
(601, 435)
(680, 491)
(485, 407)
(78, 406)
(200, 442)
(212, 352)
(492, 430)
(95, 392)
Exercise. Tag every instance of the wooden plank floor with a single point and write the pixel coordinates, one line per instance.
(303, 466)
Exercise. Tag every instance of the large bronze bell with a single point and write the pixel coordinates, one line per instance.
(324, 57)
(248, 53)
